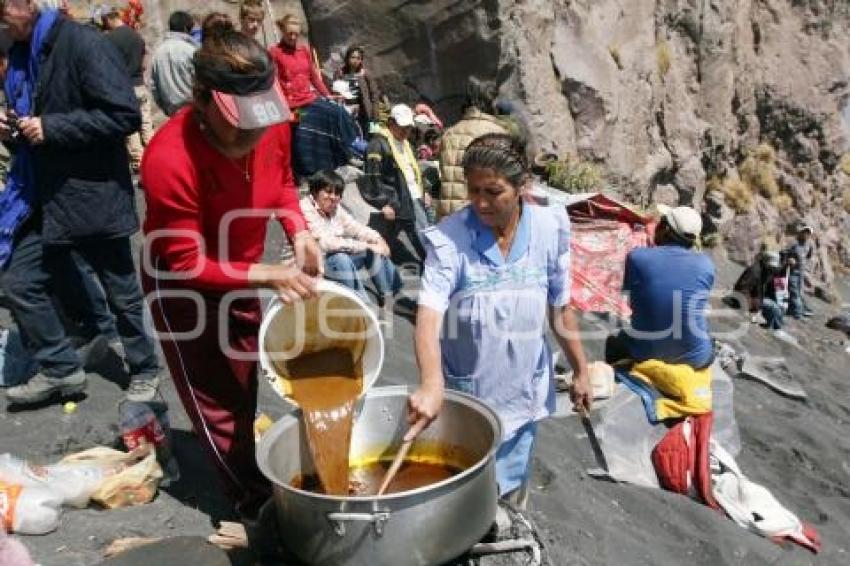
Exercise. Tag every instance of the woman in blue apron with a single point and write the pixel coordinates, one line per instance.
(496, 272)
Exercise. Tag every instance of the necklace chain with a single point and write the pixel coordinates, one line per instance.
(245, 166)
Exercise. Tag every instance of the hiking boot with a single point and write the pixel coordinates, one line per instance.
(143, 389)
(41, 387)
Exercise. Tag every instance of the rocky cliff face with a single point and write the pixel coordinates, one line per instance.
(668, 97)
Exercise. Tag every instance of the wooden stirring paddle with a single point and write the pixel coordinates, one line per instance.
(398, 460)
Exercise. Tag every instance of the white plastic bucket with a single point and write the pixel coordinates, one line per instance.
(337, 317)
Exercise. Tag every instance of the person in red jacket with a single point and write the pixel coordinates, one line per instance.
(297, 72)
(212, 177)
(325, 133)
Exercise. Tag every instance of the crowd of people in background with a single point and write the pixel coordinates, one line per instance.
(262, 129)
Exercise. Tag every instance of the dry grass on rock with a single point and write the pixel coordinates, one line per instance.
(738, 194)
(758, 171)
(574, 175)
(664, 57)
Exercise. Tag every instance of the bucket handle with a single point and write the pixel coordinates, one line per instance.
(378, 520)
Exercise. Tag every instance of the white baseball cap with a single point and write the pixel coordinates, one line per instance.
(402, 115)
(684, 220)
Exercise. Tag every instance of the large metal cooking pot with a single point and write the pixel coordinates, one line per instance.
(426, 526)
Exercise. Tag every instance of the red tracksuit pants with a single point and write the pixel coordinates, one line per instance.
(218, 392)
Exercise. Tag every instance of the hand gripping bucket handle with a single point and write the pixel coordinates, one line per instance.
(337, 317)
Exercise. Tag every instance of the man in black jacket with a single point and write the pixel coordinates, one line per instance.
(81, 107)
(393, 182)
(131, 45)
(756, 286)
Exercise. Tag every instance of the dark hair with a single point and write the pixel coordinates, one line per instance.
(667, 236)
(348, 53)
(225, 52)
(431, 135)
(325, 180)
(480, 95)
(214, 24)
(502, 153)
(112, 14)
(181, 22)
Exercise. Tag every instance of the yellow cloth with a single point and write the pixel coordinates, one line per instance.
(408, 156)
(686, 391)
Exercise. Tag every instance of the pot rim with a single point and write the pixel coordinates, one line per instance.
(266, 442)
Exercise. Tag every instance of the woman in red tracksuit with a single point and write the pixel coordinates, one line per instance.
(212, 176)
(301, 81)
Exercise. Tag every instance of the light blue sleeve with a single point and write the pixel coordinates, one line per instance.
(560, 280)
(441, 270)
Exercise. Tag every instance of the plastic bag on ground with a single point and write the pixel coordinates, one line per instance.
(74, 483)
(135, 481)
(29, 510)
(627, 439)
(725, 428)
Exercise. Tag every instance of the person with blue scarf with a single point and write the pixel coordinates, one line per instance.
(69, 190)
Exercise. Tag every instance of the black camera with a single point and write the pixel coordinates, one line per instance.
(13, 122)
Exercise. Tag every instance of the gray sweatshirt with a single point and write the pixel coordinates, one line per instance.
(172, 71)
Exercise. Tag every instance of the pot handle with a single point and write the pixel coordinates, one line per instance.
(378, 520)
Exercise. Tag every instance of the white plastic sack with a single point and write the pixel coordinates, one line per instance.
(627, 439)
(73, 484)
(724, 429)
(29, 510)
(749, 504)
